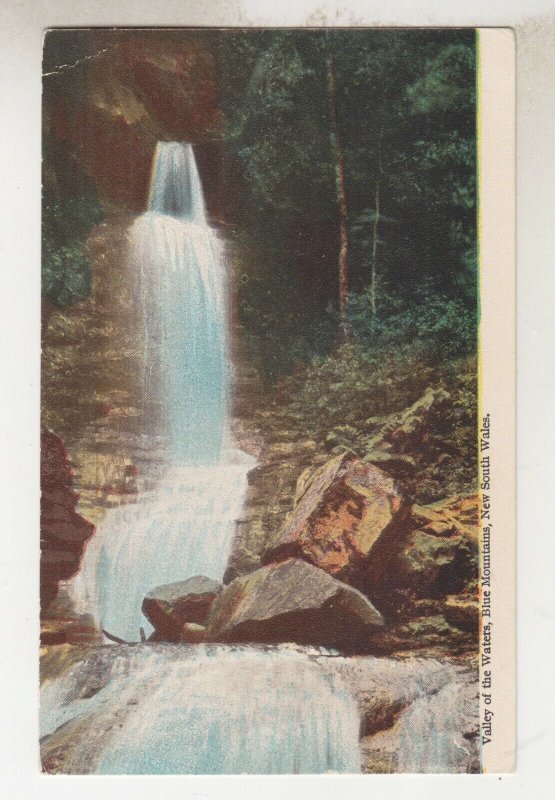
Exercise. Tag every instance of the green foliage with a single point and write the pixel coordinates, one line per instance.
(67, 218)
(345, 402)
(282, 151)
(275, 354)
(444, 86)
(406, 113)
(438, 326)
(356, 384)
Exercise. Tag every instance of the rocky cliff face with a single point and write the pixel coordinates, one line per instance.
(123, 94)
(63, 531)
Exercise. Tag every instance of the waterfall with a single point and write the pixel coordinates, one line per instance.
(201, 710)
(177, 263)
(183, 528)
(186, 525)
(431, 732)
(215, 709)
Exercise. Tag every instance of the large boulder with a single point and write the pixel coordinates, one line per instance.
(348, 516)
(168, 608)
(63, 532)
(293, 601)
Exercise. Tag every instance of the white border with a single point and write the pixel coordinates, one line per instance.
(496, 226)
(21, 26)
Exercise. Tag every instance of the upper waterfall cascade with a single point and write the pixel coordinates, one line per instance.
(178, 264)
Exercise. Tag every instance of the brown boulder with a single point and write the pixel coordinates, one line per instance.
(347, 514)
(168, 608)
(191, 633)
(293, 601)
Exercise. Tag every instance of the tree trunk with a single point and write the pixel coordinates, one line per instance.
(374, 276)
(341, 203)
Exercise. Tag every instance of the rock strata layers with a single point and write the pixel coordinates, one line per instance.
(64, 532)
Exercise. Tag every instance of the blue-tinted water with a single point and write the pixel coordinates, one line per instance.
(181, 710)
(179, 267)
(183, 528)
(204, 710)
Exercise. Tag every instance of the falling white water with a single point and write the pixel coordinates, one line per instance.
(202, 710)
(427, 712)
(178, 269)
(185, 527)
(431, 733)
(175, 188)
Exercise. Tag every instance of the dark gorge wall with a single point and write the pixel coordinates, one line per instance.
(110, 96)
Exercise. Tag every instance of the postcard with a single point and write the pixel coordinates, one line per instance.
(277, 404)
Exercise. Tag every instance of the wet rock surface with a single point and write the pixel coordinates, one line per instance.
(170, 607)
(293, 601)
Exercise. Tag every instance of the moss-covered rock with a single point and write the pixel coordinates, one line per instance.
(434, 566)
(346, 515)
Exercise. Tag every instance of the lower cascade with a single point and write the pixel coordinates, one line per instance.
(183, 528)
(430, 739)
(165, 709)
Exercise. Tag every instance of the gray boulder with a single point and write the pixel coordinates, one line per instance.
(168, 608)
(293, 601)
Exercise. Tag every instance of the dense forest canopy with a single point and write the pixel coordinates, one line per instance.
(257, 106)
(406, 116)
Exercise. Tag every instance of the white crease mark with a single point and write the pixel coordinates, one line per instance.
(61, 68)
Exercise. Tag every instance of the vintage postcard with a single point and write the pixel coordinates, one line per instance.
(277, 443)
